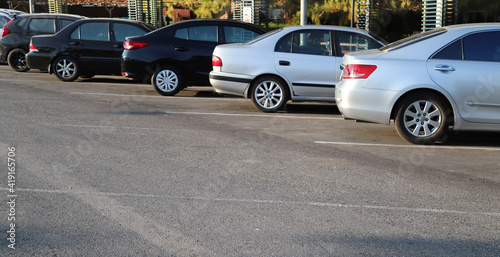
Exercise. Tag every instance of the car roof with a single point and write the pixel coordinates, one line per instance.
(333, 27)
(110, 19)
(46, 15)
(474, 25)
(201, 21)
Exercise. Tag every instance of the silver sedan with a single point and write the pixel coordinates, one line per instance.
(298, 63)
(428, 83)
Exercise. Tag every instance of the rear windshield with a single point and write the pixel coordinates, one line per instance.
(381, 40)
(413, 39)
(259, 38)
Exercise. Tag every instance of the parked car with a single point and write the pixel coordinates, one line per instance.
(298, 63)
(16, 35)
(4, 18)
(85, 48)
(11, 13)
(427, 83)
(181, 54)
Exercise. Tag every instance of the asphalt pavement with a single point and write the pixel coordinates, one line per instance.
(107, 167)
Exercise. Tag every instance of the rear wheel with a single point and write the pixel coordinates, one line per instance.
(167, 81)
(423, 118)
(66, 68)
(269, 94)
(17, 60)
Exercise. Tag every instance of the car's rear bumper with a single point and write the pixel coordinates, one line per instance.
(231, 84)
(365, 104)
(131, 68)
(38, 60)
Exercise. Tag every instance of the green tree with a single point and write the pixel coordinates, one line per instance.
(203, 9)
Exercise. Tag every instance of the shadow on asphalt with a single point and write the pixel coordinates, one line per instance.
(311, 108)
(473, 138)
(108, 80)
(460, 138)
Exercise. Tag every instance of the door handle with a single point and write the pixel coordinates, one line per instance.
(444, 68)
(118, 46)
(75, 43)
(181, 49)
(284, 63)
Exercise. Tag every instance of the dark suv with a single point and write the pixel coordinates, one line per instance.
(180, 55)
(15, 40)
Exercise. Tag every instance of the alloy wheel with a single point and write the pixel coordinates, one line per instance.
(422, 118)
(268, 94)
(65, 68)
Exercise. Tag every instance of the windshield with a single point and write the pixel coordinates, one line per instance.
(259, 38)
(413, 39)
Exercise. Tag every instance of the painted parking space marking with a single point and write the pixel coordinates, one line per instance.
(256, 115)
(412, 146)
(260, 201)
(152, 96)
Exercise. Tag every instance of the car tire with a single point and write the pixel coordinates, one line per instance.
(423, 118)
(66, 68)
(269, 94)
(17, 60)
(167, 81)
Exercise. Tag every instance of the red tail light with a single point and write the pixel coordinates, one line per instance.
(216, 61)
(358, 71)
(33, 48)
(132, 45)
(6, 31)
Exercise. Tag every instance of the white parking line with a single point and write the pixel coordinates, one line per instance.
(151, 96)
(273, 202)
(411, 146)
(112, 94)
(256, 115)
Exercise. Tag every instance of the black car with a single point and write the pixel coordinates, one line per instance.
(179, 55)
(85, 48)
(17, 33)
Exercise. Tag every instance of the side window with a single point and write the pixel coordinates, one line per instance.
(315, 42)
(181, 33)
(199, 33)
(451, 52)
(126, 30)
(3, 20)
(238, 34)
(94, 31)
(42, 25)
(351, 42)
(22, 23)
(65, 23)
(482, 46)
(76, 33)
(285, 44)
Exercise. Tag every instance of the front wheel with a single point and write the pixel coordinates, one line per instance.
(167, 81)
(423, 118)
(66, 68)
(269, 94)
(17, 60)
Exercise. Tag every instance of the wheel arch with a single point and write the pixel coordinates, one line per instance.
(16, 47)
(288, 88)
(424, 90)
(54, 58)
(154, 66)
